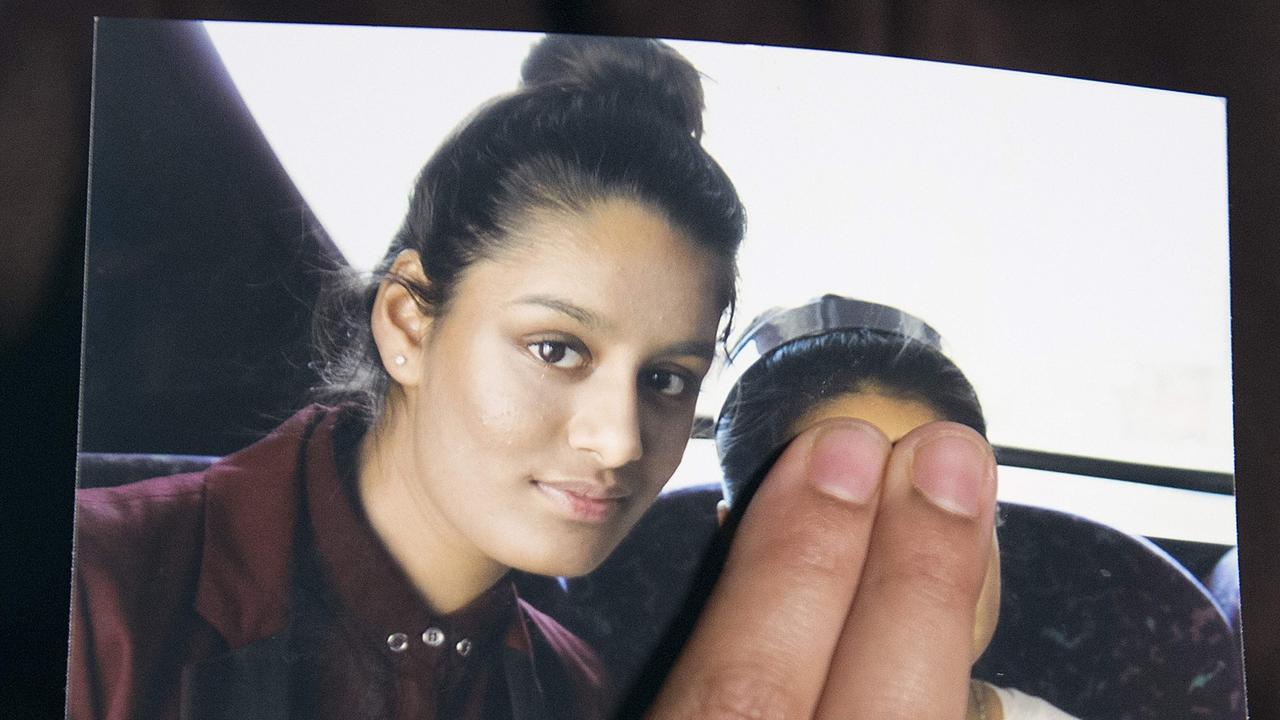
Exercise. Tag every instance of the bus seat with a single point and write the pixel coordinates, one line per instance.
(1224, 584)
(1096, 621)
(1105, 624)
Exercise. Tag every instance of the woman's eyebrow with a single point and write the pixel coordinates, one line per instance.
(700, 349)
(577, 312)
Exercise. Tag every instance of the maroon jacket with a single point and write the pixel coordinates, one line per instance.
(185, 603)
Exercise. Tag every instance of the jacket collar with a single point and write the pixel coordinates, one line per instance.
(244, 590)
(251, 518)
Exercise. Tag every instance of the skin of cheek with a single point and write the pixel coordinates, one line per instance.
(481, 456)
(988, 612)
(665, 438)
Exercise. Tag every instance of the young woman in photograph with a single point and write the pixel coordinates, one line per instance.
(510, 390)
(842, 358)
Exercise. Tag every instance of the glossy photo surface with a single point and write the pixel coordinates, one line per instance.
(1067, 239)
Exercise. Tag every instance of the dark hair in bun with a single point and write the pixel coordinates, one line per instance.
(595, 118)
(648, 72)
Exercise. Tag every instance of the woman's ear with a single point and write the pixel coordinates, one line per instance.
(399, 322)
(722, 511)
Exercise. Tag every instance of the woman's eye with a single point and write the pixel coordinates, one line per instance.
(557, 354)
(667, 383)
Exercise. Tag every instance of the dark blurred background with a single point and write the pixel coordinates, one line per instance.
(1229, 48)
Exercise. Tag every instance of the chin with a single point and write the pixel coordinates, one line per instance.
(573, 560)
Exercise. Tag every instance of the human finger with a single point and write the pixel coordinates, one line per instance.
(763, 643)
(905, 651)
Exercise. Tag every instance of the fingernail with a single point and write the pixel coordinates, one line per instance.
(951, 471)
(846, 461)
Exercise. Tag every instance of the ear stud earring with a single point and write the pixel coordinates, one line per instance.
(400, 360)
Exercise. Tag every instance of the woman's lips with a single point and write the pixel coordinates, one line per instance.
(582, 501)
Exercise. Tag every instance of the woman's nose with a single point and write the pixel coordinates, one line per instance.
(606, 421)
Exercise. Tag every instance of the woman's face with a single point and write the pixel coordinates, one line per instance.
(896, 417)
(554, 398)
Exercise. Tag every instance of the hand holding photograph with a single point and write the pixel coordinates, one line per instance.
(654, 392)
